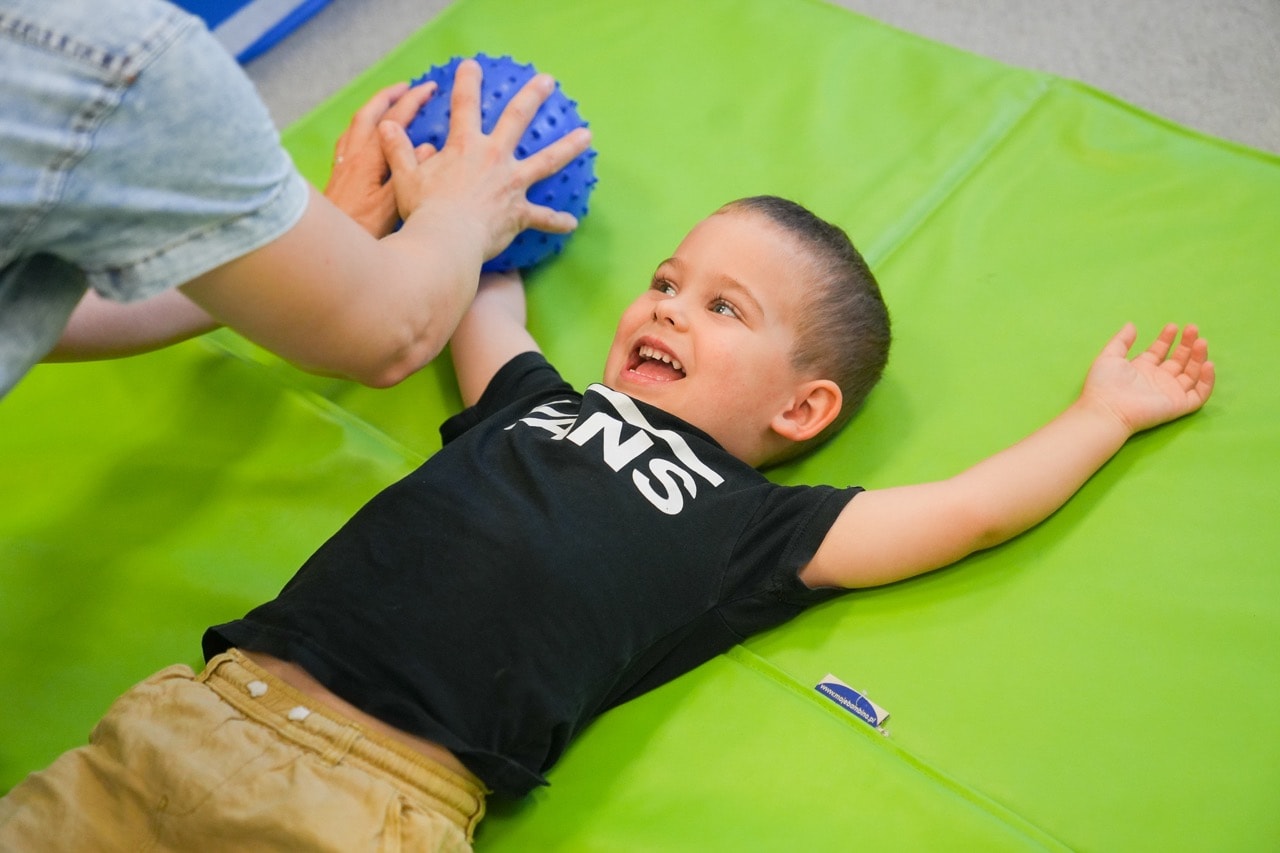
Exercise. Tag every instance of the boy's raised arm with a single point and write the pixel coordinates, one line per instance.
(491, 333)
(890, 534)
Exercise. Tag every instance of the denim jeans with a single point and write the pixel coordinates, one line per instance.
(134, 156)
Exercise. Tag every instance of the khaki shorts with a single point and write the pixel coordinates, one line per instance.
(235, 759)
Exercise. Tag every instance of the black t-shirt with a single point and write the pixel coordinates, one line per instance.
(562, 553)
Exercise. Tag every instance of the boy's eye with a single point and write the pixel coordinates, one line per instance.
(725, 309)
(663, 286)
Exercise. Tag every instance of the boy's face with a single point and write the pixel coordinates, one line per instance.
(710, 341)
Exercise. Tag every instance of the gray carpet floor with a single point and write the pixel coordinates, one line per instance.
(1212, 65)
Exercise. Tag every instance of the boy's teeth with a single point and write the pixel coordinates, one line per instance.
(649, 352)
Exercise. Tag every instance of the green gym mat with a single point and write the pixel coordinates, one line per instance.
(1105, 682)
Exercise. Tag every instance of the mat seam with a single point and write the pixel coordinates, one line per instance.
(1010, 818)
(958, 174)
(327, 408)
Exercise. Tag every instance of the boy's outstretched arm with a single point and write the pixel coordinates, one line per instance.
(890, 534)
(491, 333)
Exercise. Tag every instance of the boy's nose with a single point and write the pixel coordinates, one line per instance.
(669, 311)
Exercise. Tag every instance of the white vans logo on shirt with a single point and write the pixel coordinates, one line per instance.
(667, 479)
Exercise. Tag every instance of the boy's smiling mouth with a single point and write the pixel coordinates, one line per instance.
(650, 362)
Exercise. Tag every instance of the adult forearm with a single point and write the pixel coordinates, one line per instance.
(333, 300)
(100, 328)
(432, 266)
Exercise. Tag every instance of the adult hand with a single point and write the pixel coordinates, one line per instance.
(476, 176)
(358, 183)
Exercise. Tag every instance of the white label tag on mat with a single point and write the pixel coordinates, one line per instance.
(852, 701)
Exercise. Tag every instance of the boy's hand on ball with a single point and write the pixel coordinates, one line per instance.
(478, 175)
(358, 183)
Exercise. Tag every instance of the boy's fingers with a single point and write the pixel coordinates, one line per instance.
(1197, 379)
(1159, 348)
(555, 156)
(1204, 384)
(1183, 352)
(1193, 365)
(1121, 341)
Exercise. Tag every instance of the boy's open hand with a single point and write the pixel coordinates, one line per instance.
(1164, 382)
(475, 178)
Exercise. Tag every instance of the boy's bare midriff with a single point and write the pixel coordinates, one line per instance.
(301, 680)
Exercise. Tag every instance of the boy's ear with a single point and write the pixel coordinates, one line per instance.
(815, 404)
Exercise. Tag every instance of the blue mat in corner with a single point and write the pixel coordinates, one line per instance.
(249, 28)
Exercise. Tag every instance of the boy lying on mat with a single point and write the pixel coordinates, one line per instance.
(566, 551)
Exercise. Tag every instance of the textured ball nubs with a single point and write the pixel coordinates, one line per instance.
(566, 190)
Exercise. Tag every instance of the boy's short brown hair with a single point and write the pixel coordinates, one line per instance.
(843, 332)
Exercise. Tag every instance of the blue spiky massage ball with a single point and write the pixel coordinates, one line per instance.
(566, 190)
